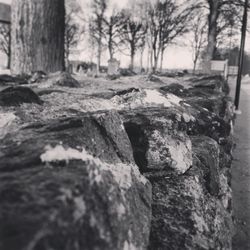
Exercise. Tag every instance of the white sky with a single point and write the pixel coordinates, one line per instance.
(5, 1)
(175, 56)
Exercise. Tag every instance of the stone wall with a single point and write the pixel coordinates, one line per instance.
(137, 168)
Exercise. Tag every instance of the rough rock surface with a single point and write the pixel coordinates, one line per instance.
(72, 184)
(135, 163)
(62, 79)
(158, 139)
(14, 96)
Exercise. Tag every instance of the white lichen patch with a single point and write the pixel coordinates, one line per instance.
(79, 204)
(174, 151)
(188, 118)
(94, 104)
(145, 97)
(129, 246)
(225, 191)
(80, 208)
(155, 97)
(59, 153)
(121, 210)
(194, 189)
(6, 120)
(181, 153)
(122, 173)
(200, 223)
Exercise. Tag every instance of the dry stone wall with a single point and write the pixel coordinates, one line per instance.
(133, 168)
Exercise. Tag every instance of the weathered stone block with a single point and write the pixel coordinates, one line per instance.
(72, 184)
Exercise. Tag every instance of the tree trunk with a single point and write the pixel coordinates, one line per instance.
(99, 54)
(9, 52)
(132, 58)
(156, 59)
(141, 60)
(194, 66)
(8, 62)
(161, 62)
(66, 56)
(212, 32)
(37, 36)
(110, 49)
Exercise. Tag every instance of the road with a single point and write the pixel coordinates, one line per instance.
(241, 171)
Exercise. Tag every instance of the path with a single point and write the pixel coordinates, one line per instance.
(241, 172)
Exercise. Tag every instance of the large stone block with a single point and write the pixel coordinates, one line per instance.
(72, 184)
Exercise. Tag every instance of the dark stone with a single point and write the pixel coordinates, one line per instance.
(126, 72)
(127, 91)
(208, 124)
(175, 89)
(185, 216)
(113, 77)
(97, 133)
(37, 77)
(153, 78)
(93, 200)
(215, 82)
(206, 154)
(42, 92)
(7, 79)
(14, 96)
(66, 80)
(158, 139)
(140, 144)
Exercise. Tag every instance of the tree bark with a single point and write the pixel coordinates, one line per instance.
(141, 59)
(132, 56)
(212, 31)
(99, 54)
(37, 33)
(162, 57)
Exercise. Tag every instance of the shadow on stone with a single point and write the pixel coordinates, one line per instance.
(139, 144)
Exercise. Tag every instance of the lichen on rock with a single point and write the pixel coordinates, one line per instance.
(128, 164)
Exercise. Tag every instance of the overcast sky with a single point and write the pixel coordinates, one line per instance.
(175, 57)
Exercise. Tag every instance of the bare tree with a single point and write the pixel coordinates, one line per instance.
(5, 41)
(73, 32)
(96, 27)
(166, 21)
(223, 14)
(198, 39)
(113, 25)
(133, 32)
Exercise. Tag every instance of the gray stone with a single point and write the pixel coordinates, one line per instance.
(15, 96)
(72, 184)
(113, 67)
